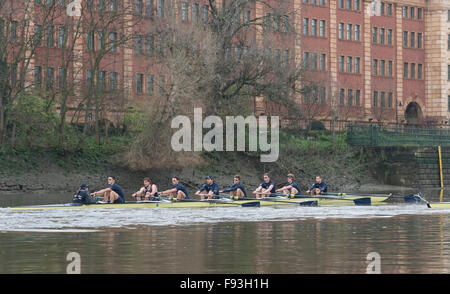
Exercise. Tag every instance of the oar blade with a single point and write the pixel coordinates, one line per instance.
(362, 201)
(309, 203)
(251, 204)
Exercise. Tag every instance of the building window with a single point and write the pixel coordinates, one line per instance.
(382, 36)
(413, 71)
(342, 97)
(341, 30)
(413, 40)
(357, 60)
(184, 11)
(405, 70)
(419, 40)
(305, 59)
(382, 8)
(323, 95)
(37, 33)
(112, 40)
(50, 39)
(138, 44)
(358, 97)
(419, 13)
(305, 26)
(341, 3)
(341, 63)
(286, 59)
(50, 78)
(375, 99)
(150, 45)
(375, 67)
(356, 5)
(349, 4)
(389, 36)
(195, 8)
(322, 62)
(382, 67)
(37, 76)
(349, 64)
(448, 100)
(89, 79)
(357, 32)
(411, 12)
(314, 27)
(405, 11)
(139, 82)
(382, 98)
(149, 8)
(349, 97)
(389, 9)
(101, 80)
(205, 13)
(390, 100)
(139, 7)
(277, 57)
(322, 28)
(61, 37)
(160, 8)
(349, 32)
(405, 39)
(150, 84)
(113, 81)
(419, 71)
(390, 68)
(374, 35)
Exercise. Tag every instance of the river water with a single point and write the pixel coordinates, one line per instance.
(408, 238)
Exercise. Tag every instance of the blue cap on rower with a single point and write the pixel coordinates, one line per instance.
(84, 186)
(210, 177)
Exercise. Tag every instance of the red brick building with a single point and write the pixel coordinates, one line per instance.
(380, 61)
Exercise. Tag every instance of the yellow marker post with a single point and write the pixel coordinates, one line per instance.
(440, 167)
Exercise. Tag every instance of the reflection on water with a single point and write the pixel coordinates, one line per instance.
(409, 239)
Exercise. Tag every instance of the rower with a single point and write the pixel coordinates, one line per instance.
(291, 188)
(318, 188)
(113, 194)
(211, 188)
(148, 192)
(178, 191)
(266, 188)
(237, 190)
(82, 195)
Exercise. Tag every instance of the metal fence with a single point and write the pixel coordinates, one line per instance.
(383, 136)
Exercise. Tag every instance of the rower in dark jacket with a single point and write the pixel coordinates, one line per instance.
(319, 187)
(237, 191)
(82, 195)
(211, 188)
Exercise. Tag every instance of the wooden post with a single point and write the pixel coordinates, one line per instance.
(440, 167)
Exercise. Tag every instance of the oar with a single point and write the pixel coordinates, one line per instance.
(218, 201)
(304, 203)
(350, 194)
(357, 201)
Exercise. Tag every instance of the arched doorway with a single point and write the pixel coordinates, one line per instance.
(413, 114)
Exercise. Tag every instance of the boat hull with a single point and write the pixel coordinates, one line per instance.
(439, 205)
(305, 201)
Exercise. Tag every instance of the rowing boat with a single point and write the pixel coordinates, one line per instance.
(438, 205)
(269, 201)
